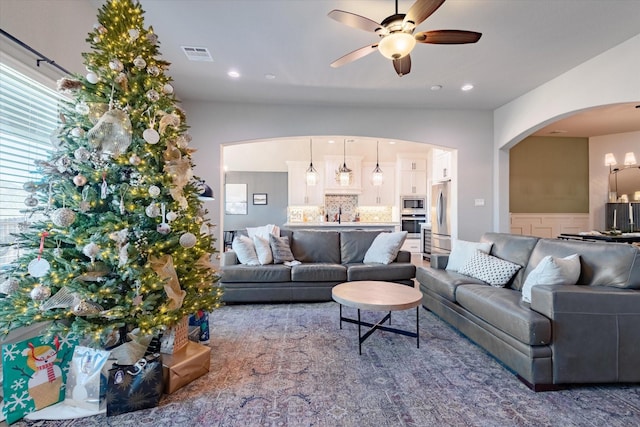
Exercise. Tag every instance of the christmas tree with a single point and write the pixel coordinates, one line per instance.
(123, 241)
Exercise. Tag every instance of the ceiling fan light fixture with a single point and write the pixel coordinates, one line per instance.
(396, 45)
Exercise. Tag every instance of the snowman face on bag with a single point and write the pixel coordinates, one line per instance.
(40, 356)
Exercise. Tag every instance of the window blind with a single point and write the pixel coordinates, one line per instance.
(28, 117)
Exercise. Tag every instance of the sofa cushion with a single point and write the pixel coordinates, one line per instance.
(443, 282)
(319, 272)
(490, 269)
(355, 243)
(280, 249)
(552, 271)
(602, 264)
(513, 248)
(245, 250)
(385, 272)
(503, 308)
(263, 249)
(385, 247)
(316, 246)
(259, 274)
(462, 251)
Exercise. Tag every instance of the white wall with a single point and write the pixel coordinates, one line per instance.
(609, 78)
(213, 124)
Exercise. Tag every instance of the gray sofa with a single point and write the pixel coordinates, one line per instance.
(327, 259)
(568, 334)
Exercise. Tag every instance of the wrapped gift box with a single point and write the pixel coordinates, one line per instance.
(184, 366)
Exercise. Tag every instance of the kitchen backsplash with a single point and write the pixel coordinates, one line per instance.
(345, 203)
(348, 204)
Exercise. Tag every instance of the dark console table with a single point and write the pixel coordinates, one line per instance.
(602, 238)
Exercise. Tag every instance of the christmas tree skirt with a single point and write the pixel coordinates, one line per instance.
(59, 411)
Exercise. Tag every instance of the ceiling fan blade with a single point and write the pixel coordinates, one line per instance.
(421, 10)
(402, 65)
(448, 37)
(356, 54)
(355, 21)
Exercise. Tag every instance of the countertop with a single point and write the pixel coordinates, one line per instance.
(341, 224)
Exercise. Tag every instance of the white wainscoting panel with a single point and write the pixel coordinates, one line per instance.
(549, 225)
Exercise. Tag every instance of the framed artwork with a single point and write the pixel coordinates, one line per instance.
(259, 198)
(235, 199)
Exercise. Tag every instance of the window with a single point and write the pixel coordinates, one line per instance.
(28, 117)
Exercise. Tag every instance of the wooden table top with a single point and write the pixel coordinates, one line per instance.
(374, 295)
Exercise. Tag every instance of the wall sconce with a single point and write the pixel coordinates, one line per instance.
(377, 177)
(610, 160)
(629, 159)
(311, 174)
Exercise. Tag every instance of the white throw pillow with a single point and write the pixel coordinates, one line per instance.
(462, 251)
(245, 250)
(488, 268)
(552, 271)
(264, 231)
(384, 248)
(263, 250)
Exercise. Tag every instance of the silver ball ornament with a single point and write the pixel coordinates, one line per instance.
(153, 70)
(77, 132)
(163, 228)
(139, 62)
(82, 108)
(63, 217)
(116, 65)
(82, 154)
(172, 216)
(92, 78)
(134, 33)
(40, 292)
(153, 95)
(151, 136)
(31, 201)
(168, 89)
(79, 180)
(9, 286)
(91, 250)
(154, 191)
(188, 240)
(152, 210)
(135, 160)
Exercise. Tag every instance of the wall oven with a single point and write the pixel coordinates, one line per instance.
(411, 223)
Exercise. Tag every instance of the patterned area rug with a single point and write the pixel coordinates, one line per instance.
(291, 365)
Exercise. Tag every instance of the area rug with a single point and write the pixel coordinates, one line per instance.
(291, 365)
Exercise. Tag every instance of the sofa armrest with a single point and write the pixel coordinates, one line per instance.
(403, 256)
(439, 261)
(228, 258)
(595, 334)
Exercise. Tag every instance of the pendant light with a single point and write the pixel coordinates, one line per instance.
(344, 173)
(312, 174)
(377, 177)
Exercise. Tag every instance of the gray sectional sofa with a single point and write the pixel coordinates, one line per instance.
(327, 259)
(583, 333)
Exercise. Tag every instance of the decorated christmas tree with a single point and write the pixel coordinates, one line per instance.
(122, 241)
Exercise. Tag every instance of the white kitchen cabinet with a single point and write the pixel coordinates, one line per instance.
(441, 165)
(299, 192)
(412, 176)
(384, 195)
(331, 182)
(412, 164)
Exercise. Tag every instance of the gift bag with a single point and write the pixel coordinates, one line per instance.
(176, 337)
(87, 382)
(135, 387)
(34, 374)
(201, 320)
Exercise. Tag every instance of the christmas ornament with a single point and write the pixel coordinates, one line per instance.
(82, 154)
(163, 228)
(38, 267)
(100, 28)
(77, 132)
(154, 191)
(151, 136)
(153, 95)
(172, 216)
(152, 210)
(188, 240)
(134, 34)
(84, 205)
(40, 292)
(57, 252)
(79, 180)
(139, 62)
(30, 187)
(64, 298)
(91, 250)
(123, 191)
(9, 286)
(153, 70)
(152, 38)
(92, 78)
(63, 217)
(86, 308)
(63, 163)
(31, 201)
(167, 89)
(134, 160)
(123, 81)
(116, 65)
(82, 108)
(112, 133)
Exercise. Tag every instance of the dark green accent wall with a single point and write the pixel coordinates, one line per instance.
(549, 175)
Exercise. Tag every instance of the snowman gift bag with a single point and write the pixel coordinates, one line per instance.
(35, 373)
(87, 380)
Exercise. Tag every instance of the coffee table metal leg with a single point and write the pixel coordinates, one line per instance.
(359, 334)
(340, 315)
(417, 327)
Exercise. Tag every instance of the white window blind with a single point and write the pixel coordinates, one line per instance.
(28, 116)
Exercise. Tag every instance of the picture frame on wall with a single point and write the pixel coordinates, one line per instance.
(259, 198)
(235, 199)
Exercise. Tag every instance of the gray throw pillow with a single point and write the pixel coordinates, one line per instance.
(280, 249)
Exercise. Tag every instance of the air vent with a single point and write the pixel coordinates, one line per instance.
(200, 54)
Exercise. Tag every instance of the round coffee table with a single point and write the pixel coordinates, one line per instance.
(377, 296)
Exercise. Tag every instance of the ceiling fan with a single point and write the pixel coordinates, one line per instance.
(396, 34)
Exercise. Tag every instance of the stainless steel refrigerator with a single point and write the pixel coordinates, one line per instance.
(441, 217)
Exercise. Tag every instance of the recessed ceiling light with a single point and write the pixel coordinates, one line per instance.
(269, 76)
(331, 141)
(392, 142)
(436, 87)
(467, 87)
(233, 74)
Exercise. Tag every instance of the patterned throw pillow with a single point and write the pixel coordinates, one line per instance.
(493, 270)
(280, 249)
